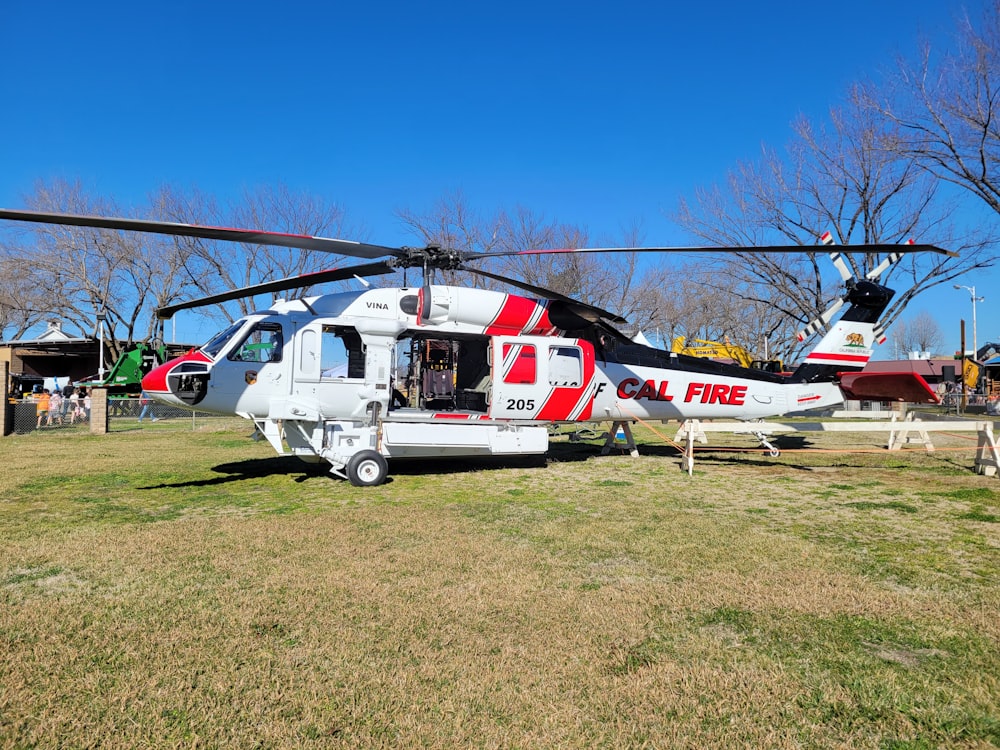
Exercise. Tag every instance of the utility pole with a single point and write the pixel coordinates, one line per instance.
(975, 343)
(965, 395)
(100, 328)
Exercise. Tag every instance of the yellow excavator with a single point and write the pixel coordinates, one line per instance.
(724, 350)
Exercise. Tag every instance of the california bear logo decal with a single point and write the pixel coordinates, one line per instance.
(855, 339)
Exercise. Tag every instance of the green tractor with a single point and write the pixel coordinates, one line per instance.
(124, 380)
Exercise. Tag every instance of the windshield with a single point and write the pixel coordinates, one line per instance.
(218, 342)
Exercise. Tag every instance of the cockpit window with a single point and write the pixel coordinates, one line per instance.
(218, 342)
(263, 343)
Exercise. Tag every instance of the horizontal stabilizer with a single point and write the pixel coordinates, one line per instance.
(887, 386)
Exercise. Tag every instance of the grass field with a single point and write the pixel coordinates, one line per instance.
(169, 587)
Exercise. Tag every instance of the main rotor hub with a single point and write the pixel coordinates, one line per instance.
(430, 256)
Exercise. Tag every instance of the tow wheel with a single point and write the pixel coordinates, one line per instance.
(367, 469)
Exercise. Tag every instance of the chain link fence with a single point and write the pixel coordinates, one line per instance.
(28, 417)
(974, 403)
(121, 411)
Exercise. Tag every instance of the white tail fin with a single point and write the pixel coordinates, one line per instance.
(848, 346)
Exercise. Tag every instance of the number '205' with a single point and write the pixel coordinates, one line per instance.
(520, 404)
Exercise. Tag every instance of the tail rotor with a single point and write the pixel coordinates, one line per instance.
(822, 322)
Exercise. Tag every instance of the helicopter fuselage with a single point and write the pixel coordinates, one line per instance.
(478, 373)
(487, 372)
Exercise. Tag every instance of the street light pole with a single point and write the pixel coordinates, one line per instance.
(972, 292)
(100, 327)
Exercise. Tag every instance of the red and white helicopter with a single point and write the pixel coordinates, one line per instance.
(490, 371)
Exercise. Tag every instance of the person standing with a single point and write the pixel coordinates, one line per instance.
(55, 407)
(75, 410)
(147, 407)
(67, 391)
(42, 406)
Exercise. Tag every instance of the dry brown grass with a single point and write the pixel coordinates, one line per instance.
(175, 589)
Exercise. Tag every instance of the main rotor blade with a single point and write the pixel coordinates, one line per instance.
(875, 248)
(291, 282)
(253, 236)
(549, 294)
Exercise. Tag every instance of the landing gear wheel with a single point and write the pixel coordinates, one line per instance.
(771, 451)
(367, 469)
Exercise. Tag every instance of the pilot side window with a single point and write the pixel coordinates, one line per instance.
(342, 355)
(263, 344)
(519, 364)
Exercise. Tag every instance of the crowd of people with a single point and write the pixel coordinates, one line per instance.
(57, 406)
(71, 404)
(954, 395)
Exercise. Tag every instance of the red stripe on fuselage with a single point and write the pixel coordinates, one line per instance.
(520, 315)
(565, 400)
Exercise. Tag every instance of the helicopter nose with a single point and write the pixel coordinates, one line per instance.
(154, 384)
(161, 382)
(155, 381)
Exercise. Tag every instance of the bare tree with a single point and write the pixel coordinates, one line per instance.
(846, 178)
(216, 266)
(947, 106)
(704, 306)
(452, 223)
(78, 273)
(91, 272)
(24, 301)
(921, 333)
(624, 283)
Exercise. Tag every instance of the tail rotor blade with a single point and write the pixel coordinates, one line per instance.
(882, 267)
(840, 263)
(837, 258)
(879, 332)
(820, 323)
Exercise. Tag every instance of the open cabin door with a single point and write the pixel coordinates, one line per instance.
(330, 372)
(542, 378)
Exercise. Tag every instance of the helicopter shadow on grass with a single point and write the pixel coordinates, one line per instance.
(577, 452)
(741, 459)
(236, 471)
(741, 455)
(301, 471)
(559, 452)
(724, 454)
(464, 465)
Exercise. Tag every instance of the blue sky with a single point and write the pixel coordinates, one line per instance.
(597, 114)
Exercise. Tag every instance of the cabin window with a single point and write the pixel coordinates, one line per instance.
(308, 353)
(519, 364)
(263, 344)
(342, 355)
(565, 366)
